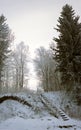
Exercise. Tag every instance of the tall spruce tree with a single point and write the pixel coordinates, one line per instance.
(68, 47)
(4, 43)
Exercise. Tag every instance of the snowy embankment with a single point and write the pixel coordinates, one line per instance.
(16, 116)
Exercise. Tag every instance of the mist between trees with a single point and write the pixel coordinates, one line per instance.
(58, 68)
(14, 70)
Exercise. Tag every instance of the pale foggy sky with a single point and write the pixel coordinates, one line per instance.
(32, 21)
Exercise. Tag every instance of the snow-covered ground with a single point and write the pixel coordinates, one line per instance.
(16, 116)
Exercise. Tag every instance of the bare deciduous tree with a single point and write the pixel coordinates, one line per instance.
(45, 67)
(15, 72)
(20, 57)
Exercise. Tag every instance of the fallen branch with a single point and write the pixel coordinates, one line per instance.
(16, 98)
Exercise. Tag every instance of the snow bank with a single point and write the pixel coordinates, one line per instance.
(15, 116)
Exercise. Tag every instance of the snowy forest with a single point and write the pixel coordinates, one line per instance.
(58, 71)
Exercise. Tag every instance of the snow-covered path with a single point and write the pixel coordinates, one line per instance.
(44, 123)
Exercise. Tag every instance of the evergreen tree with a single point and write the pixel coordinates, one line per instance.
(68, 49)
(4, 42)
